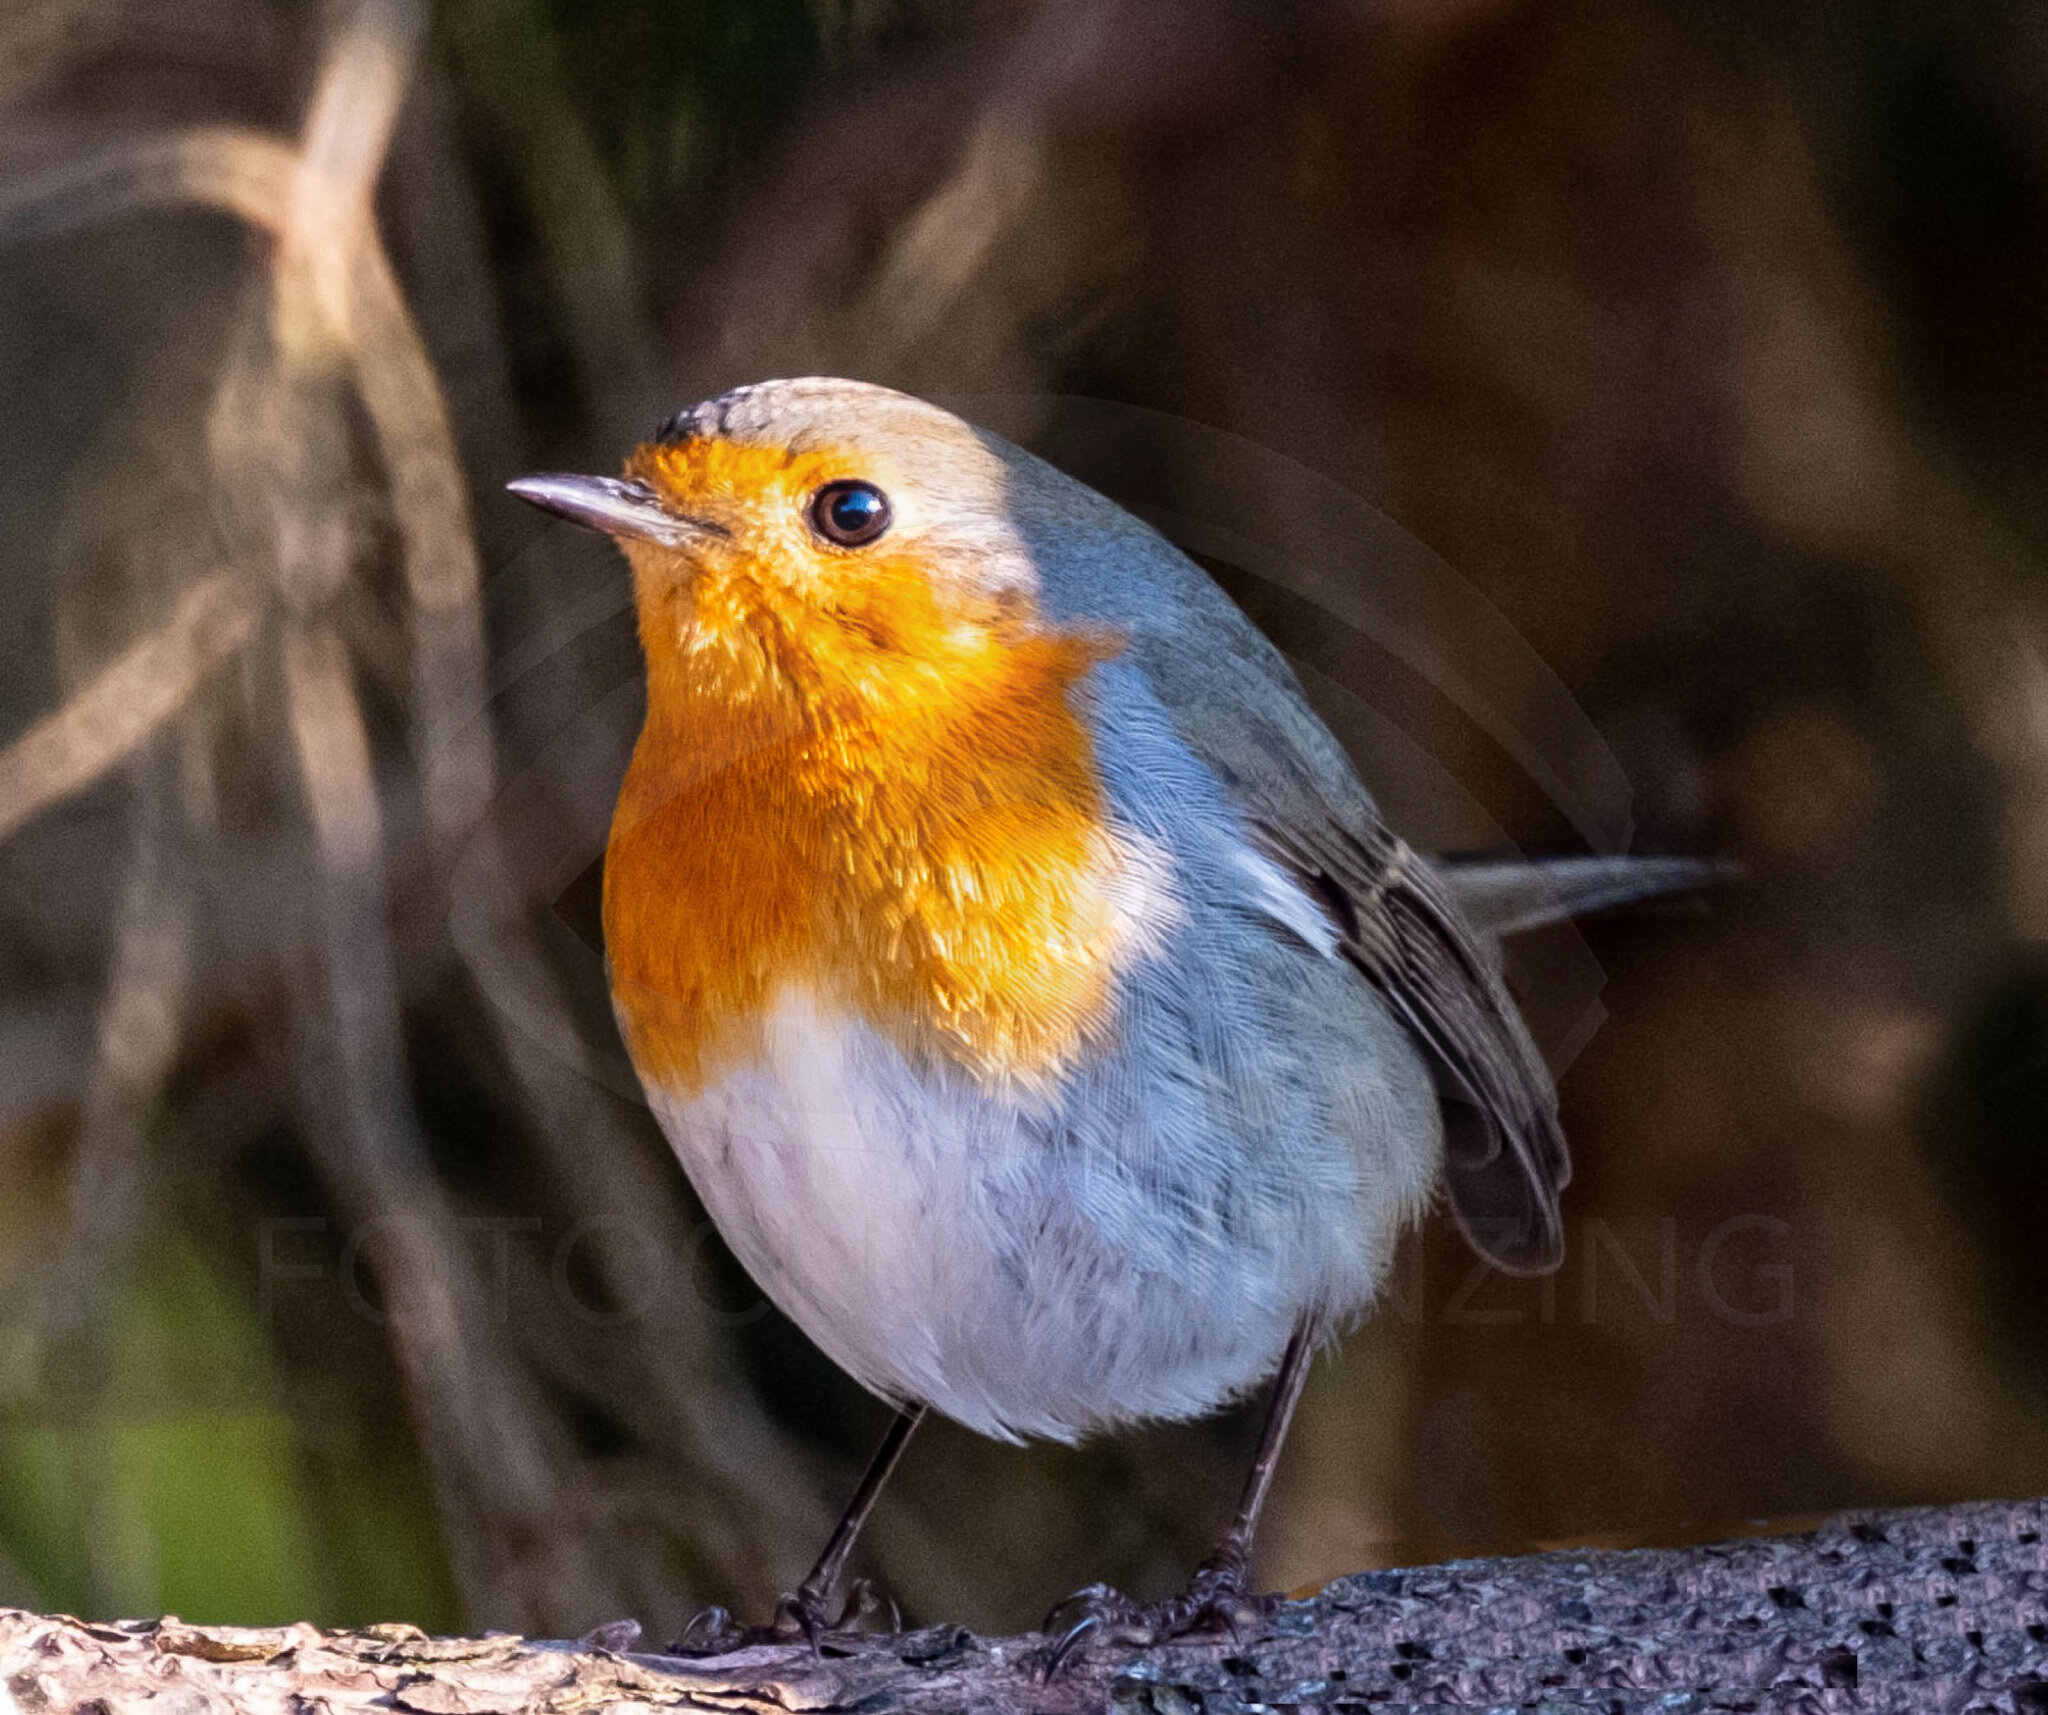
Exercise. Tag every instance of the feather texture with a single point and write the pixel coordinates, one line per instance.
(1508, 897)
(1024, 977)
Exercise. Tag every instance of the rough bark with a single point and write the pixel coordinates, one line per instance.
(1935, 1609)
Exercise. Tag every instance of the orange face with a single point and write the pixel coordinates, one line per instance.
(861, 777)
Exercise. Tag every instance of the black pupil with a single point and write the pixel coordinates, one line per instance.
(852, 512)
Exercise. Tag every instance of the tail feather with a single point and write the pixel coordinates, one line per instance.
(1505, 897)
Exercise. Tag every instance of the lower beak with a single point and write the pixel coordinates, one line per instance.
(621, 509)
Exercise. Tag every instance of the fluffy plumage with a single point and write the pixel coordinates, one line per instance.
(1016, 964)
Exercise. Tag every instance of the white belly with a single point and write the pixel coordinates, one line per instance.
(928, 1237)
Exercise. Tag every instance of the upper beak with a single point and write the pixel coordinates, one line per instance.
(615, 507)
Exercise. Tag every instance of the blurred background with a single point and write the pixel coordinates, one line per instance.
(1633, 419)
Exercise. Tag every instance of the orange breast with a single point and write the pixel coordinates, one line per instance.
(924, 849)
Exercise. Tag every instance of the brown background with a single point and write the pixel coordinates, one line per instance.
(1705, 344)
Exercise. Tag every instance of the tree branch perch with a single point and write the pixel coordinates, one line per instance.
(1933, 1609)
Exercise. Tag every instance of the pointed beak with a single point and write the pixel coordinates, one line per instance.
(620, 509)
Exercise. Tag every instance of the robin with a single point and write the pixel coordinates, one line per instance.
(1031, 990)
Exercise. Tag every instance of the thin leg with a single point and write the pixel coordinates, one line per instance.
(1217, 1598)
(1234, 1553)
(815, 1591)
(808, 1612)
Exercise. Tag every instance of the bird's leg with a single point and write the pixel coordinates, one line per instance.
(1225, 1569)
(806, 1612)
(1216, 1599)
(809, 1607)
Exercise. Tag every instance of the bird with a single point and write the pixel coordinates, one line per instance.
(1030, 988)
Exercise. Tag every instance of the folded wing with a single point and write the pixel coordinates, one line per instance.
(1505, 1162)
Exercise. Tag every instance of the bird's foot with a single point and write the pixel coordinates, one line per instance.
(615, 1636)
(1218, 1602)
(801, 1616)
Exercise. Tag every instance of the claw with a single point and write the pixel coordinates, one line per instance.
(1093, 1602)
(1218, 1597)
(868, 1601)
(800, 1617)
(1215, 1601)
(617, 1636)
(795, 1617)
(709, 1631)
(1056, 1657)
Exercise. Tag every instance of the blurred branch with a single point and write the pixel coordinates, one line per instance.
(67, 751)
(477, 1429)
(334, 283)
(485, 1432)
(1905, 1610)
(137, 1049)
(241, 172)
(999, 171)
(282, 466)
(948, 241)
(336, 295)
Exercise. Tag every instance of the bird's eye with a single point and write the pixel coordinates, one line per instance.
(850, 514)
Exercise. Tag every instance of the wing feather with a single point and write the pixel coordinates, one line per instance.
(1505, 1157)
(1238, 706)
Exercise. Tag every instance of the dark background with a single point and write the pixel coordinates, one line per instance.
(344, 1278)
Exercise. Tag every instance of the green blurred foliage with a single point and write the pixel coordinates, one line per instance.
(181, 1486)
